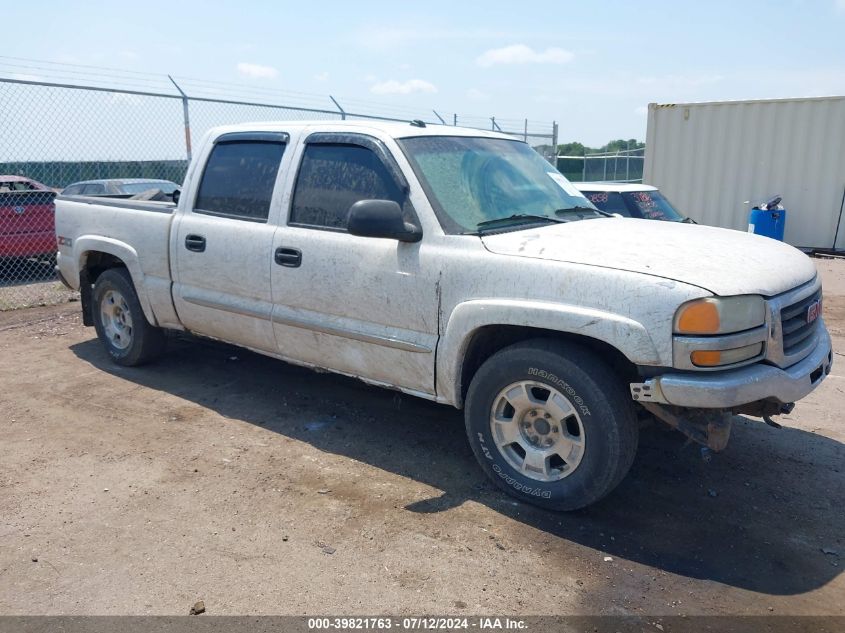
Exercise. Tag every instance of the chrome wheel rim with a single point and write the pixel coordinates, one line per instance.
(116, 319)
(537, 430)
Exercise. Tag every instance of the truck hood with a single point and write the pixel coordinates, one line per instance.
(722, 261)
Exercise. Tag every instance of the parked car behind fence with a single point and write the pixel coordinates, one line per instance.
(26, 219)
(119, 188)
(631, 200)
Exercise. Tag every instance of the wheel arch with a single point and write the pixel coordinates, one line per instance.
(97, 255)
(476, 332)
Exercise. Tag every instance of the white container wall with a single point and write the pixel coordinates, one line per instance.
(710, 158)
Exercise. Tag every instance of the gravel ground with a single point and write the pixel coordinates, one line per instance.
(262, 488)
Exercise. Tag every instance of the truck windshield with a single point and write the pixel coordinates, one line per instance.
(652, 205)
(648, 204)
(485, 184)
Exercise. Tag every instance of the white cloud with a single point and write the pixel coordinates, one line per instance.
(131, 55)
(257, 70)
(840, 5)
(522, 54)
(393, 87)
(641, 110)
(323, 76)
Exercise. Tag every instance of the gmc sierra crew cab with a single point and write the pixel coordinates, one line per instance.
(459, 266)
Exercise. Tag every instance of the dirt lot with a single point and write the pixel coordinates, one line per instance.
(261, 488)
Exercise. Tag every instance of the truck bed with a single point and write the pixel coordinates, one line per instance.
(137, 205)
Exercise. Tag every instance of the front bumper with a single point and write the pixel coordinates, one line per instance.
(736, 387)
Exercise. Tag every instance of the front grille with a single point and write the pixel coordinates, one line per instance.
(797, 333)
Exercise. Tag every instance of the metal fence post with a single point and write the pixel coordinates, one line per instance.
(584, 174)
(554, 142)
(186, 115)
(439, 117)
(525, 135)
(455, 120)
(342, 111)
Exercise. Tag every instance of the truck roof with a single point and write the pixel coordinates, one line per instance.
(391, 128)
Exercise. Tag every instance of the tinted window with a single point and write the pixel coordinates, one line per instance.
(334, 177)
(239, 178)
(73, 190)
(609, 201)
(93, 189)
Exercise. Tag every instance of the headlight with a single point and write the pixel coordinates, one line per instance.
(720, 315)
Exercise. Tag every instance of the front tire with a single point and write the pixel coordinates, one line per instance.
(551, 424)
(120, 322)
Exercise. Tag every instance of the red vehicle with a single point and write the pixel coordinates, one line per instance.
(27, 218)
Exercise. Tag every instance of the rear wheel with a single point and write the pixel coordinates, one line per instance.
(551, 424)
(120, 322)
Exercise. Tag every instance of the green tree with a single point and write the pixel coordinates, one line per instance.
(579, 149)
(571, 149)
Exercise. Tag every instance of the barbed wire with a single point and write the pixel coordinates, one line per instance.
(95, 76)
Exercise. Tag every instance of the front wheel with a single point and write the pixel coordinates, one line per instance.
(120, 322)
(551, 424)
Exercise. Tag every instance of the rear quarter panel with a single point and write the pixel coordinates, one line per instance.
(138, 237)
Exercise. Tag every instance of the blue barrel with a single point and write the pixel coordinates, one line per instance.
(768, 222)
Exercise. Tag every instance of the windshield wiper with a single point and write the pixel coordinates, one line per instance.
(516, 216)
(577, 209)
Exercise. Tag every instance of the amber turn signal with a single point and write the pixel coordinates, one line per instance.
(716, 358)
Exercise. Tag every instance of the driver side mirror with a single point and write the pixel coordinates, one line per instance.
(381, 218)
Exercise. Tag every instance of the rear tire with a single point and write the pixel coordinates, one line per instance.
(119, 320)
(551, 424)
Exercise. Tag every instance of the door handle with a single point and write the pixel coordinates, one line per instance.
(290, 257)
(195, 243)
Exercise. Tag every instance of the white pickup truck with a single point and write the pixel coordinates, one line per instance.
(457, 265)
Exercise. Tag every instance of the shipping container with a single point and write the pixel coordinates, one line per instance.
(715, 160)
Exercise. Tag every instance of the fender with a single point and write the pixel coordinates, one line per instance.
(128, 255)
(628, 336)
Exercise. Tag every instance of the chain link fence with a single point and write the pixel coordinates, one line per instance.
(103, 140)
(621, 166)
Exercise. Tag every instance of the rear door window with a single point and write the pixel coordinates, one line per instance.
(239, 179)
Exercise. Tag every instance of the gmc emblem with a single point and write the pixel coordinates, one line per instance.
(814, 310)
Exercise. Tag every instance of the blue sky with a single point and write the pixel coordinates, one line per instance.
(592, 66)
